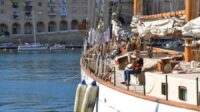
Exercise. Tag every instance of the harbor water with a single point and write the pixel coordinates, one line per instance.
(39, 81)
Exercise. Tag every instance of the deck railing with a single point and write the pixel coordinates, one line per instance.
(91, 69)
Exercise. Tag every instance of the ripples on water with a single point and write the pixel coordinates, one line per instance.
(38, 81)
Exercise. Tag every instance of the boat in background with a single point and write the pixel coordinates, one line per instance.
(32, 47)
(8, 45)
(167, 42)
(57, 47)
(172, 45)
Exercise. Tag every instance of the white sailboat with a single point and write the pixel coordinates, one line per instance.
(33, 46)
(171, 85)
(57, 47)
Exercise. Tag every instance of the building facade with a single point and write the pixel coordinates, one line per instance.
(126, 11)
(159, 6)
(21, 17)
(125, 7)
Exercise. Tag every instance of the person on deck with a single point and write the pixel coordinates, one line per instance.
(134, 68)
(134, 45)
(129, 46)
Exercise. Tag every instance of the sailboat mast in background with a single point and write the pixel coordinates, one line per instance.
(34, 25)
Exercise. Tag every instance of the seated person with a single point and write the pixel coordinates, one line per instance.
(134, 68)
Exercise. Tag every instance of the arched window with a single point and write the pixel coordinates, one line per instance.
(74, 24)
(63, 25)
(52, 26)
(40, 27)
(3, 29)
(16, 28)
(28, 28)
(121, 19)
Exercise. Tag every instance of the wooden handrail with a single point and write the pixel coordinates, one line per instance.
(163, 15)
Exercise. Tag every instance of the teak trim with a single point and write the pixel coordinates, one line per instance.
(163, 15)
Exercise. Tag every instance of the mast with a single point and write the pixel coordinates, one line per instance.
(34, 32)
(106, 14)
(191, 9)
(138, 7)
(191, 12)
(91, 13)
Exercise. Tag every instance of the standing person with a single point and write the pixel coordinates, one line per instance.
(150, 51)
(136, 41)
(134, 68)
(129, 46)
(133, 42)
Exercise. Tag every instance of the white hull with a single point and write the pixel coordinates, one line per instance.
(32, 48)
(111, 99)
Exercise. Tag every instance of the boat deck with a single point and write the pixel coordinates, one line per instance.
(119, 72)
(150, 82)
(119, 78)
(137, 87)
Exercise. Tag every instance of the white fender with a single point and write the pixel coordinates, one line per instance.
(80, 93)
(90, 98)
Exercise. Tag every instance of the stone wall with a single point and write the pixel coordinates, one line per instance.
(76, 37)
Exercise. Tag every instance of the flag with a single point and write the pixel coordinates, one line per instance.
(91, 36)
(98, 38)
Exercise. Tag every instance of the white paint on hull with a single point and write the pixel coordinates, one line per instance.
(33, 49)
(110, 100)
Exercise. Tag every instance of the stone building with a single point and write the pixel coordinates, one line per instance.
(159, 6)
(21, 17)
(149, 7)
(126, 11)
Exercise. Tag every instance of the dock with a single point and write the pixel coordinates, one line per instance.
(15, 47)
(73, 46)
(6, 47)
